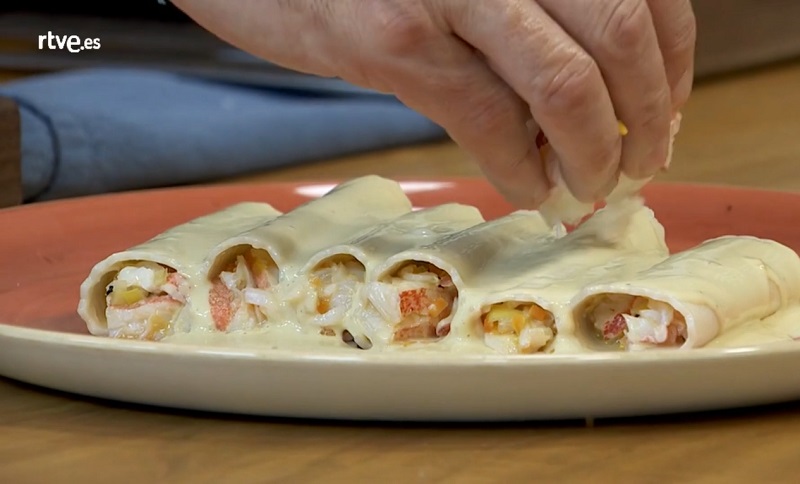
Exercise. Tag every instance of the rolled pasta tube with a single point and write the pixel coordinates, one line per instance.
(149, 291)
(326, 288)
(414, 295)
(245, 271)
(691, 297)
(520, 304)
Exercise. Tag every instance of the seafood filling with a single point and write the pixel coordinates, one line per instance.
(514, 327)
(241, 294)
(332, 287)
(636, 321)
(143, 300)
(417, 302)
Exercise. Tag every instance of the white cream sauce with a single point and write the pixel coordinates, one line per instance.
(466, 257)
(298, 235)
(562, 276)
(781, 327)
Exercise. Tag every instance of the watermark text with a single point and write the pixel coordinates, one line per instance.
(71, 43)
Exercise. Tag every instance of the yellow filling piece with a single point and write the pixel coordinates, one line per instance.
(129, 295)
(512, 318)
(530, 327)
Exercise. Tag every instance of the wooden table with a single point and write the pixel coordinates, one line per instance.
(742, 130)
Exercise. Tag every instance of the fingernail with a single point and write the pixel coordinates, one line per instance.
(661, 159)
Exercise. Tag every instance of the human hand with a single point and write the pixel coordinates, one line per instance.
(493, 72)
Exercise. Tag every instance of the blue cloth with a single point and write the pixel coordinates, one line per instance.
(95, 131)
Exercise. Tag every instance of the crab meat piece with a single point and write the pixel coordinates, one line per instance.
(332, 288)
(241, 293)
(636, 322)
(144, 300)
(417, 302)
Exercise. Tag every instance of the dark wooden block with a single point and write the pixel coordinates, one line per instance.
(10, 156)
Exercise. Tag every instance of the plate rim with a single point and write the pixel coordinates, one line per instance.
(244, 185)
(267, 354)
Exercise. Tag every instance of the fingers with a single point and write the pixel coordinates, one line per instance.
(558, 79)
(483, 68)
(484, 116)
(395, 47)
(446, 80)
(621, 37)
(676, 28)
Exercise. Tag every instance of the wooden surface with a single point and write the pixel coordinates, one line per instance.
(10, 164)
(733, 34)
(744, 130)
(47, 437)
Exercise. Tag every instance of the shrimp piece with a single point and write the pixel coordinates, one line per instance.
(143, 300)
(425, 310)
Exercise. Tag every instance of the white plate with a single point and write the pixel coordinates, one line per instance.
(358, 386)
(45, 344)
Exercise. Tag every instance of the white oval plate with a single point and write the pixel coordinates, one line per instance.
(55, 244)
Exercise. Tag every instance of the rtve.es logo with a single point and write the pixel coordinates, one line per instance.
(71, 43)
